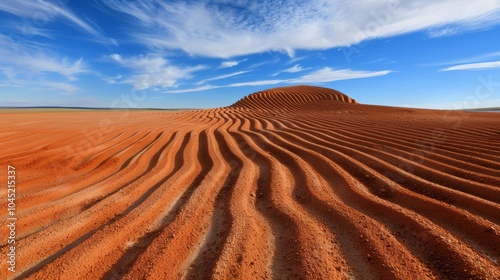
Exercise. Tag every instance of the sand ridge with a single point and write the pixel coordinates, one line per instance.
(295, 182)
(289, 98)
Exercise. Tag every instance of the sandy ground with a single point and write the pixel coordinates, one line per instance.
(291, 183)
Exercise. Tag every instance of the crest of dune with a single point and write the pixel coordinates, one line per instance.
(287, 97)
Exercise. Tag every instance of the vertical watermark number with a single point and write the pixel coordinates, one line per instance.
(11, 217)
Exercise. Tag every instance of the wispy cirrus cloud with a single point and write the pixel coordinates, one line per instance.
(257, 83)
(32, 59)
(220, 77)
(55, 86)
(240, 84)
(37, 14)
(296, 59)
(246, 27)
(153, 71)
(474, 66)
(61, 88)
(323, 75)
(478, 62)
(43, 11)
(231, 63)
(110, 80)
(195, 89)
(443, 32)
(328, 74)
(33, 67)
(294, 69)
(468, 60)
(40, 64)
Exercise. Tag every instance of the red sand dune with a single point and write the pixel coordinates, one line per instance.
(290, 183)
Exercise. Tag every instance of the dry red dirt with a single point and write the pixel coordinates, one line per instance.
(290, 183)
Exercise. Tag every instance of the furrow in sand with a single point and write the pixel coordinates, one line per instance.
(322, 248)
(213, 259)
(425, 152)
(429, 242)
(175, 231)
(152, 196)
(63, 161)
(457, 137)
(360, 247)
(20, 143)
(266, 104)
(417, 137)
(461, 223)
(45, 151)
(287, 258)
(414, 144)
(293, 98)
(400, 175)
(69, 233)
(403, 132)
(79, 251)
(46, 209)
(204, 261)
(75, 196)
(28, 141)
(185, 184)
(37, 186)
(421, 169)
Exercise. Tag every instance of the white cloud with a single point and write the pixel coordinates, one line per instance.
(257, 83)
(31, 59)
(37, 14)
(248, 27)
(64, 67)
(222, 77)
(469, 60)
(26, 29)
(329, 75)
(265, 62)
(295, 59)
(242, 84)
(294, 69)
(201, 88)
(474, 66)
(153, 71)
(62, 88)
(320, 76)
(443, 32)
(227, 64)
(110, 80)
(231, 63)
(32, 66)
(141, 63)
(35, 64)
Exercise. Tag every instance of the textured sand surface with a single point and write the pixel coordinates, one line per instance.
(291, 183)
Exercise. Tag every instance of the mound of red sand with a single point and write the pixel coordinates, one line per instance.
(289, 97)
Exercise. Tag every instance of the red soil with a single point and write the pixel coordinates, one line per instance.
(290, 183)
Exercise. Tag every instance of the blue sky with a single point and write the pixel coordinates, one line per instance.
(200, 54)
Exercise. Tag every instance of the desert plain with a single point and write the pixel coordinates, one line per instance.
(296, 182)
